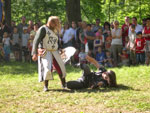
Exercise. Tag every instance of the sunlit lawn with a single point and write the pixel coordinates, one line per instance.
(21, 92)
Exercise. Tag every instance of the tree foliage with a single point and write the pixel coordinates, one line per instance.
(106, 10)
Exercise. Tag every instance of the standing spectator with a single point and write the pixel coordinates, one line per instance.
(24, 40)
(130, 45)
(30, 26)
(98, 42)
(81, 34)
(4, 28)
(125, 29)
(13, 24)
(21, 25)
(39, 23)
(144, 22)
(97, 26)
(100, 56)
(90, 36)
(112, 25)
(140, 46)
(35, 28)
(68, 35)
(116, 44)
(78, 42)
(6, 42)
(74, 29)
(108, 41)
(146, 34)
(106, 29)
(15, 43)
(137, 26)
(20, 31)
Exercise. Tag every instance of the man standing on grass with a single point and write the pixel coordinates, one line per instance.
(47, 40)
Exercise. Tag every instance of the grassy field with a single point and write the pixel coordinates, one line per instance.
(21, 92)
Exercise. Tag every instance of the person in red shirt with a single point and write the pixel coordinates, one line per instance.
(146, 35)
(140, 48)
(125, 29)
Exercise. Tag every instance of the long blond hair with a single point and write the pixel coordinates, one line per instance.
(55, 20)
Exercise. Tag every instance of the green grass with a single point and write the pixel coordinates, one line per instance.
(21, 92)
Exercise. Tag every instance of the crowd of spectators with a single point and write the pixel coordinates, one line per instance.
(111, 44)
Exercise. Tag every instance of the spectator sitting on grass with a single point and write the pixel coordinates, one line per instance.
(100, 56)
(124, 58)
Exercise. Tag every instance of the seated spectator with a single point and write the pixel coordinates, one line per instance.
(140, 48)
(82, 56)
(108, 62)
(100, 56)
(124, 58)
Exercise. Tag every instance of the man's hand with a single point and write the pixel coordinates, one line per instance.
(34, 57)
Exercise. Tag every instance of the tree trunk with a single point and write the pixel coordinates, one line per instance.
(7, 10)
(73, 11)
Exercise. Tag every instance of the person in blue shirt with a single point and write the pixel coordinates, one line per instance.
(100, 56)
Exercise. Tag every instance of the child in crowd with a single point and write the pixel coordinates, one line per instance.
(100, 56)
(24, 39)
(6, 42)
(124, 58)
(1, 52)
(130, 45)
(108, 61)
(15, 43)
(140, 48)
(30, 43)
(108, 41)
(82, 56)
(98, 42)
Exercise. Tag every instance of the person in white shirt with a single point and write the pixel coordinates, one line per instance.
(116, 44)
(6, 42)
(24, 42)
(68, 36)
(137, 26)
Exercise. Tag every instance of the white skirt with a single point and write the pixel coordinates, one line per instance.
(45, 65)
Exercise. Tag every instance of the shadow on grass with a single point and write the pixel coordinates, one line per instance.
(120, 87)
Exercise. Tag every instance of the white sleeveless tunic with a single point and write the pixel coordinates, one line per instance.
(50, 43)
